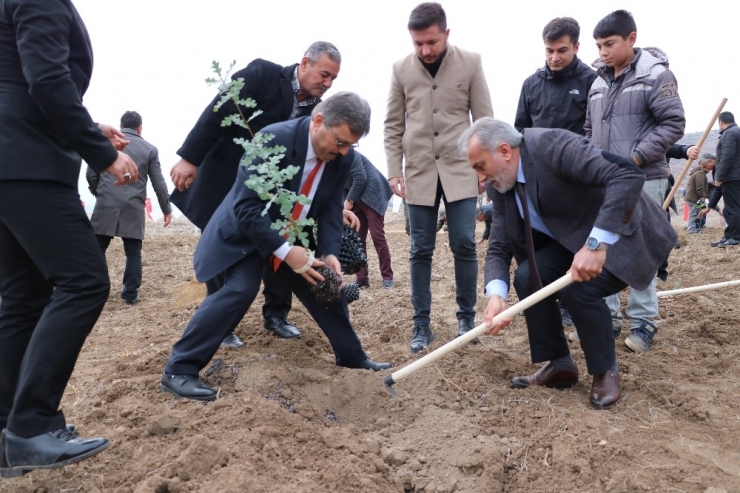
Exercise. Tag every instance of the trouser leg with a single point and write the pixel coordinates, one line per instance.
(376, 225)
(731, 196)
(423, 224)
(278, 298)
(692, 224)
(46, 240)
(361, 213)
(133, 272)
(461, 230)
(216, 317)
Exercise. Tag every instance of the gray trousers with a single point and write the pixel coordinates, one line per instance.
(642, 304)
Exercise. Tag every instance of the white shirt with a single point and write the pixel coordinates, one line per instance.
(308, 166)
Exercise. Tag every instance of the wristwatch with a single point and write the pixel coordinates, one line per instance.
(594, 244)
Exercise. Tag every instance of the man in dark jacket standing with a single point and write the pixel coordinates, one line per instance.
(119, 211)
(555, 96)
(727, 176)
(368, 193)
(53, 278)
(209, 152)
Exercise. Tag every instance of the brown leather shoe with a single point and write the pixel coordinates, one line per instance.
(548, 376)
(605, 390)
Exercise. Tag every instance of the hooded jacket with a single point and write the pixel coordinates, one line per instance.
(638, 115)
(555, 99)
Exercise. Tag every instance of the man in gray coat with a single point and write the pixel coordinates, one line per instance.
(368, 193)
(575, 209)
(119, 211)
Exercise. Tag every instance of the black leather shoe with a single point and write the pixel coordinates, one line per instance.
(48, 451)
(187, 387)
(465, 326)
(421, 338)
(282, 328)
(232, 340)
(369, 364)
(605, 391)
(548, 376)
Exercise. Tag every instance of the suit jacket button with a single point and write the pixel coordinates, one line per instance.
(436, 134)
(436, 156)
(435, 110)
(434, 86)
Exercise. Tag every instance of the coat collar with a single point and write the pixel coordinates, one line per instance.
(130, 132)
(286, 89)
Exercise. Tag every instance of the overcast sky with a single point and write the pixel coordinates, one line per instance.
(153, 56)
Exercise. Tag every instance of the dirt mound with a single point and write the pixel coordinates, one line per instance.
(287, 419)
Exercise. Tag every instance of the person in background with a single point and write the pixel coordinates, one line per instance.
(727, 176)
(485, 214)
(120, 211)
(697, 191)
(367, 195)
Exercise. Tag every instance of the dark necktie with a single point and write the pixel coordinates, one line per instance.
(534, 275)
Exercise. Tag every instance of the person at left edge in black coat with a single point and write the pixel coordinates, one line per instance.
(210, 158)
(53, 277)
(238, 242)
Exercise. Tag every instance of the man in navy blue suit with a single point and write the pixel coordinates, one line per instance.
(210, 158)
(238, 241)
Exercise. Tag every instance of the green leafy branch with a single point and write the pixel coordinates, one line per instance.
(268, 179)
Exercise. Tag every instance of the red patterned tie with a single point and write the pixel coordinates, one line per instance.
(298, 207)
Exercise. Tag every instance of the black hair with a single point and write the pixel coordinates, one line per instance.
(426, 15)
(618, 23)
(131, 119)
(726, 117)
(559, 27)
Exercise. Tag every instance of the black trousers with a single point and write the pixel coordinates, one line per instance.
(221, 312)
(53, 285)
(584, 301)
(731, 195)
(278, 296)
(132, 273)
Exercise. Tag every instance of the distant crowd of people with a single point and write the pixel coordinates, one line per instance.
(576, 185)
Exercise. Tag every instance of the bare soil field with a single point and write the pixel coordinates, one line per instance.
(288, 420)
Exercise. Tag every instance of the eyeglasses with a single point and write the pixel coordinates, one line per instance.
(342, 144)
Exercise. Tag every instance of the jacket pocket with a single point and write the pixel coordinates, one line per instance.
(227, 227)
(456, 93)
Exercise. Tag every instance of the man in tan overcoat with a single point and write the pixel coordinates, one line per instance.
(434, 91)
